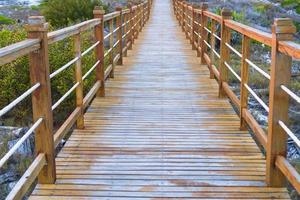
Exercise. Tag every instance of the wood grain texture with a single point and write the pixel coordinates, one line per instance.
(161, 131)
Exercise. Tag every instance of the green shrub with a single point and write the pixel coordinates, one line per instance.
(14, 77)
(291, 3)
(63, 13)
(6, 20)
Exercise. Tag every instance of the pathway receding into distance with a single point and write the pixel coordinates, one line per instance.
(161, 131)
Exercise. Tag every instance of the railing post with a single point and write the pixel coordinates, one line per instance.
(225, 56)
(119, 24)
(182, 16)
(177, 10)
(99, 35)
(213, 46)
(125, 17)
(198, 30)
(139, 18)
(143, 15)
(186, 29)
(179, 7)
(131, 32)
(282, 30)
(41, 98)
(244, 80)
(203, 33)
(111, 44)
(193, 28)
(78, 78)
(149, 10)
(136, 24)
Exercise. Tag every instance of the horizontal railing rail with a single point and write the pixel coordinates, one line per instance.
(124, 25)
(200, 27)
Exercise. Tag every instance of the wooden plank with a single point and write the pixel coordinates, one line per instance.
(28, 178)
(289, 172)
(61, 34)
(66, 126)
(91, 94)
(258, 131)
(255, 34)
(17, 50)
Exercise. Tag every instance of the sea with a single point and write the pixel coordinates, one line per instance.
(18, 2)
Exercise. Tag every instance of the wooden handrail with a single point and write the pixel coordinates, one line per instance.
(284, 50)
(129, 23)
(14, 51)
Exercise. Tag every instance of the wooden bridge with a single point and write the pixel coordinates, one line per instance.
(160, 126)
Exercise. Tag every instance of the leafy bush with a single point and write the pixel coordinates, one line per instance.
(14, 77)
(6, 20)
(291, 3)
(63, 13)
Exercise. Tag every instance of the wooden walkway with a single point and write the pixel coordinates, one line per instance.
(160, 132)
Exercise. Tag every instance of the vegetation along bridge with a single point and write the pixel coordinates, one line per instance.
(157, 123)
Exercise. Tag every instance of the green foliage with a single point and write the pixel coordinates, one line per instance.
(237, 16)
(35, 7)
(291, 3)
(63, 13)
(14, 77)
(6, 20)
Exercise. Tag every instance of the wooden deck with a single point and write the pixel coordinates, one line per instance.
(161, 131)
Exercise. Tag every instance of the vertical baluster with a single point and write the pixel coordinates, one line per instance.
(225, 54)
(244, 79)
(130, 35)
(125, 16)
(282, 30)
(180, 13)
(111, 44)
(139, 19)
(143, 15)
(186, 20)
(213, 46)
(183, 15)
(198, 19)
(193, 28)
(149, 10)
(41, 98)
(204, 35)
(119, 23)
(78, 78)
(99, 35)
(191, 24)
(136, 24)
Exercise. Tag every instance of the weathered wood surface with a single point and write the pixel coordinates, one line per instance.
(160, 132)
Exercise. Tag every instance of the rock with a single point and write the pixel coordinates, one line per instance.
(7, 177)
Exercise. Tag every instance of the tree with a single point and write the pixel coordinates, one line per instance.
(63, 13)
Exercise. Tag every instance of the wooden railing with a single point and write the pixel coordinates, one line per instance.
(198, 23)
(124, 24)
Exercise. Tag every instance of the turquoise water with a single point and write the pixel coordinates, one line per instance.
(19, 2)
